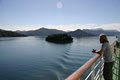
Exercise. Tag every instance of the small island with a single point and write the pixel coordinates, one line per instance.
(59, 38)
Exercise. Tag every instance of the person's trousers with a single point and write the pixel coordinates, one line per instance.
(107, 71)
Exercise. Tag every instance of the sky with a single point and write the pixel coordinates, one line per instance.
(59, 14)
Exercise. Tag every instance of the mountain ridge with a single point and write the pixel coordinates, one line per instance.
(5, 33)
(96, 32)
(79, 33)
(76, 33)
(43, 32)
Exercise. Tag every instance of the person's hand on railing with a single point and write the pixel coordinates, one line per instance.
(94, 50)
(100, 52)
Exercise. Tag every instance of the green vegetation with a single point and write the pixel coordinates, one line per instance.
(4, 33)
(59, 38)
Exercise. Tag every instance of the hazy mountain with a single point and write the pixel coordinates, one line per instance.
(79, 33)
(96, 32)
(45, 32)
(41, 32)
(4, 33)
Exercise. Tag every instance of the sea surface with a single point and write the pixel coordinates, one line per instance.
(33, 58)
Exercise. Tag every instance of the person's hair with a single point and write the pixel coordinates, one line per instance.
(103, 37)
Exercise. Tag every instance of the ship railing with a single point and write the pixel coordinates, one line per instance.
(96, 63)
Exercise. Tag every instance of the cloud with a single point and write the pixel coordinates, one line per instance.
(111, 26)
(65, 27)
(115, 26)
(71, 27)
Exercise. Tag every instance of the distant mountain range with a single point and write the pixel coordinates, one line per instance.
(43, 32)
(96, 32)
(4, 33)
(77, 33)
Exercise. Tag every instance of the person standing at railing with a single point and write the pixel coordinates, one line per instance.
(108, 55)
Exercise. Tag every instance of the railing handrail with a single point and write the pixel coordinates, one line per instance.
(77, 74)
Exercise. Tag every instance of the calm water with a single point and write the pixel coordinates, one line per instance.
(32, 58)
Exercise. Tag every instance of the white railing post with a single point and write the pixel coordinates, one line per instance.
(100, 67)
(93, 73)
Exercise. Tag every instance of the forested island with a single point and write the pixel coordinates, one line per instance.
(59, 38)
